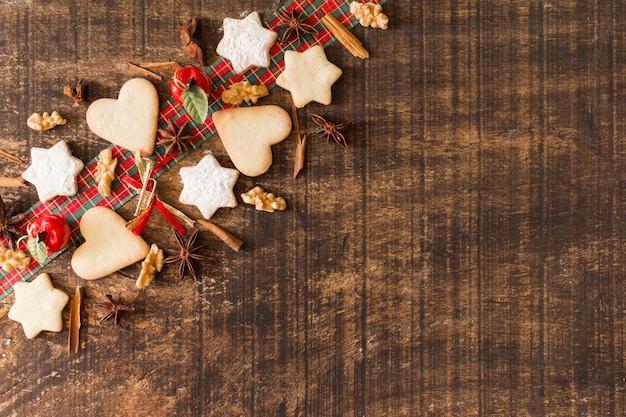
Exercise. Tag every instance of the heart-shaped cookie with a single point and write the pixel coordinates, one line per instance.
(108, 246)
(131, 120)
(248, 134)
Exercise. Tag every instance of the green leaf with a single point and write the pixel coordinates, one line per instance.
(196, 103)
(37, 249)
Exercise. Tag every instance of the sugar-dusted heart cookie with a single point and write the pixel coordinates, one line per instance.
(131, 120)
(108, 246)
(248, 134)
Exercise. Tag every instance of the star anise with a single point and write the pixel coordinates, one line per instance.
(8, 221)
(294, 24)
(331, 130)
(174, 138)
(111, 310)
(186, 254)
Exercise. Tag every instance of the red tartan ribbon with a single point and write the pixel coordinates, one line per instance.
(156, 203)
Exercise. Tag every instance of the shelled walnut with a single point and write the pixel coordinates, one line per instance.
(105, 171)
(263, 201)
(369, 14)
(45, 121)
(10, 259)
(237, 93)
(150, 266)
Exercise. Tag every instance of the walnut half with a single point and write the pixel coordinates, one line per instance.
(105, 171)
(237, 93)
(263, 201)
(369, 14)
(150, 266)
(10, 259)
(45, 121)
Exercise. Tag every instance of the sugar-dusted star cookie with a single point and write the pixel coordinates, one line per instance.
(53, 171)
(208, 186)
(308, 76)
(38, 306)
(246, 43)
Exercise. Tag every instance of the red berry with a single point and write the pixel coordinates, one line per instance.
(183, 77)
(50, 229)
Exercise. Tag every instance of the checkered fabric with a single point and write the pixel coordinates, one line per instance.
(221, 75)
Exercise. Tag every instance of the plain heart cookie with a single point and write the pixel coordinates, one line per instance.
(248, 134)
(131, 120)
(108, 246)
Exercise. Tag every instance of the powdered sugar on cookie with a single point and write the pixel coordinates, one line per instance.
(208, 186)
(53, 171)
(246, 43)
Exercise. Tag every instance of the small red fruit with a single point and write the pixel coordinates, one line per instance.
(184, 77)
(48, 233)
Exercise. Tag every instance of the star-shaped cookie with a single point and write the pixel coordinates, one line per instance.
(309, 76)
(208, 186)
(53, 171)
(246, 43)
(38, 306)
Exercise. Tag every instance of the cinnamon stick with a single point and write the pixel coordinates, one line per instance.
(234, 243)
(12, 182)
(74, 334)
(300, 155)
(300, 143)
(343, 35)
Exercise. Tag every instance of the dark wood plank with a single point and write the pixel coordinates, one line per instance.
(462, 257)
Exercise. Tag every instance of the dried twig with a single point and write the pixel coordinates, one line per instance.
(11, 158)
(168, 66)
(144, 71)
(179, 214)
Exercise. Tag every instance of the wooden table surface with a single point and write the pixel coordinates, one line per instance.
(463, 257)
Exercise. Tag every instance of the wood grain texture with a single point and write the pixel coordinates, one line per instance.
(464, 256)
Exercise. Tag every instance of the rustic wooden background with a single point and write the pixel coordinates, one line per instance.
(464, 256)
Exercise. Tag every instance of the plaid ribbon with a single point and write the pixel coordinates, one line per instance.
(221, 75)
